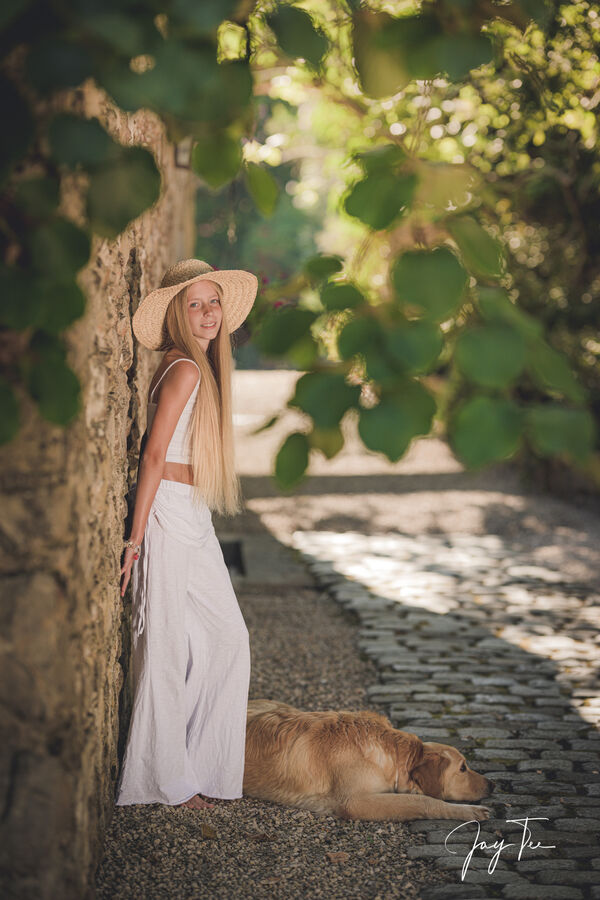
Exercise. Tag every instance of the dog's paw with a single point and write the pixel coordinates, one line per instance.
(469, 813)
(481, 813)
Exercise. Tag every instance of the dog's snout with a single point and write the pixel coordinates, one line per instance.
(490, 786)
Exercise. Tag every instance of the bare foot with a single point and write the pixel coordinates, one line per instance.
(196, 802)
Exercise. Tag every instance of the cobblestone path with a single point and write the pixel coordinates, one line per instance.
(478, 648)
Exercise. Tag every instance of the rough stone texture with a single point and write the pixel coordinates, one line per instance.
(64, 500)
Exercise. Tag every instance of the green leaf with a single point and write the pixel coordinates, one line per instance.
(283, 328)
(292, 460)
(443, 186)
(62, 303)
(341, 295)
(80, 142)
(186, 82)
(40, 302)
(120, 191)
(328, 440)
(482, 254)
(540, 11)
(54, 64)
(431, 279)
(485, 430)
(15, 139)
(133, 90)
(551, 371)
(38, 197)
(496, 307)
(21, 301)
(414, 39)
(357, 335)
(415, 345)
(190, 18)
(217, 158)
(297, 35)
(385, 158)
(263, 188)
(491, 355)
(59, 248)
(459, 54)
(390, 426)
(325, 396)
(381, 69)
(382, 368)
(418, 48)
(234, 92)
(554, 429)
(303, 353)
(9, 412)
(122, 32)
(318, 268)
(380, 198)
(50, 381)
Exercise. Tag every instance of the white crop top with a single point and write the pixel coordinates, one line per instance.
(178, 449)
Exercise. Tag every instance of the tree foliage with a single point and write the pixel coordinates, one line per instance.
(440, 168)
(448, 124)
(169, 59)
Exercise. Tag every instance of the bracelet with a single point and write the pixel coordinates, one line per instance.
(136, 547)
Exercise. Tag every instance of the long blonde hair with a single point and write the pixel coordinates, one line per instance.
(211, 423)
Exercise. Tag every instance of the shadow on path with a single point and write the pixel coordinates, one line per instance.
(477, 648)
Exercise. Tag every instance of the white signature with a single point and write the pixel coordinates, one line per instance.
(499, 846)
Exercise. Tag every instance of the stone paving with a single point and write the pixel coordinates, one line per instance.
(478, 648)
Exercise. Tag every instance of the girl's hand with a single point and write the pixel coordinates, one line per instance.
(128, 561)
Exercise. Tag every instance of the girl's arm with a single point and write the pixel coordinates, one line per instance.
(149, 476)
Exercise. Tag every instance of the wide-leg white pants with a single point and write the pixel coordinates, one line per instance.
(190, 661)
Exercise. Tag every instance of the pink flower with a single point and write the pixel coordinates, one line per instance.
(278, 303)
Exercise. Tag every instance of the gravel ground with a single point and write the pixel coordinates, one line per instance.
(304, 653)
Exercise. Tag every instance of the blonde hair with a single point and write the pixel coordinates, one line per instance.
(211, 423)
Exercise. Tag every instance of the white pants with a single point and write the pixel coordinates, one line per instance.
(190, 661)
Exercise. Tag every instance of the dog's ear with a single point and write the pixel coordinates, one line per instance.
(427, 774)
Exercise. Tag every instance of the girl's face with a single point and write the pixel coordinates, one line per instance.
(204, 311)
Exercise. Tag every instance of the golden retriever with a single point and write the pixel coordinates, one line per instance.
(355, 765)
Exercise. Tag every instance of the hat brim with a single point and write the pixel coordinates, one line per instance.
(239, 293)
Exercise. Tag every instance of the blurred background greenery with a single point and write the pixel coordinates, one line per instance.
(416, 185)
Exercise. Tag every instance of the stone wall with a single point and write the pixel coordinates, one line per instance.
(65, 638)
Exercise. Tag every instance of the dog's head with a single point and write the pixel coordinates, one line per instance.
(442, 772)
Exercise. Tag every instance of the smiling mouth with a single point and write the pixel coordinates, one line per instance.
(209, 325)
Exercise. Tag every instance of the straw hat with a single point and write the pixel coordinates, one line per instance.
(239, 294)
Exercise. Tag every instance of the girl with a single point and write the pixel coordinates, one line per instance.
(191, 657)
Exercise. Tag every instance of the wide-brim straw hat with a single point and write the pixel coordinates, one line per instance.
(239, 293)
